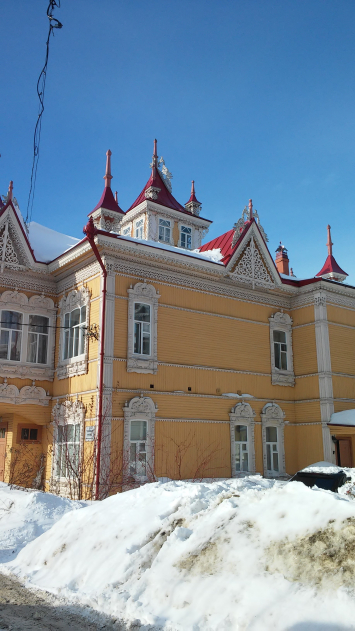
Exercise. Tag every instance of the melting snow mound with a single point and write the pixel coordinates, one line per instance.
(192, 557)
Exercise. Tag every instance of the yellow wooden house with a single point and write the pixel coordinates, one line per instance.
(137, 353)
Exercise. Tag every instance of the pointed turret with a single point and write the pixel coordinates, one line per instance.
(193, 205)
(331, 268)
(107, 214)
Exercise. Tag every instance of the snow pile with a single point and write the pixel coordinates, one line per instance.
(323, 467)
(25, 515)
(347, 417)
(47, 244)
(214, 255)
(236, 554)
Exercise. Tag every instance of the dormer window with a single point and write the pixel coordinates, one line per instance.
(164, 230)
(138, 232)
(126, 232)
(185, 237)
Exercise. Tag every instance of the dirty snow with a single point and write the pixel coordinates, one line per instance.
(25, 515)
(230, 555)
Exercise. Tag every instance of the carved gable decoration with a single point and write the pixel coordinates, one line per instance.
(14, 251)
(251, 263)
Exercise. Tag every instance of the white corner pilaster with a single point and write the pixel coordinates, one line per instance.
(324, 371)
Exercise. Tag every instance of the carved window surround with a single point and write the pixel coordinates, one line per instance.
(280, 321)
(66, 413)
(35, 305)
(147, 294)
(273, 416)
(140, 409)
(243, 414)
(75, 365)
(27, 395)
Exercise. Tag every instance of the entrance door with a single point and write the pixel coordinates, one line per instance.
(2, 450)
(345, 452)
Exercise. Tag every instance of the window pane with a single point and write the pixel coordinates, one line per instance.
(141, 312)
(33, 434)
(164, 222)
(137, 337)
(75, 317)
(283, 361)
(275, 461)
(280, 336)
(83, 315)
(146, 344)
(76, 342)
(66, 345)
(241, 432)
(238, 463)
(138, 430)
(15, 346)
(32, 347)
(4, 344)
(11, 320)
(268, 457)
(271, 434)
(60, 433)
(66, 320)
(42, 349)
(245, 461)
(25, 433)
(38, 324)
(277, 356)
(71, 342)
(132, 458)
(81, 341)
(141, 464)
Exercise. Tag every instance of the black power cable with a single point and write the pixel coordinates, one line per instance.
(41, 86)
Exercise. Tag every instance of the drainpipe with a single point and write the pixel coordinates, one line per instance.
(91, 231)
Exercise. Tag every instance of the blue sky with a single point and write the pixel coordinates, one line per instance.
(251, 98)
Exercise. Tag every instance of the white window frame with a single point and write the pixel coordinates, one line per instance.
(147, 333)
(273, 416)
(79, 331)
(35, 305)
(139, 228)
(145, 294)
(186, 234)
(243, 414)
(77, 365)
(140, 409)
(126, 231)
(164, 227)
(64, 414)
(280, 321)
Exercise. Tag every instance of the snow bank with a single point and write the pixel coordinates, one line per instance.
(25, 515)
(192, 557)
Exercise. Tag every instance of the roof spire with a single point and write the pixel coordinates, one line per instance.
(155, 158)
(116, 197)
(108, 176)
(193, 205)
(250, 210)
(10, 191)
(329, 242)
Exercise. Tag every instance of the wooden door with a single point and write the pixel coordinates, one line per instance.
(345, 452)
(2, 450)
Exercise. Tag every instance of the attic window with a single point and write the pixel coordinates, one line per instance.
(164, 230)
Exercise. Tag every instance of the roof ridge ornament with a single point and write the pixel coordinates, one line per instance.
(165, 174)
(249, 213)
(108, 176)
(329, 242)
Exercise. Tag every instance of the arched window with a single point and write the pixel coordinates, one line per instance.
(139, 438)
(272, 419)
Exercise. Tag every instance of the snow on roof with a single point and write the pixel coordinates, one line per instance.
(347, 417)
(47, 244)
(322, 467)
(213, 255)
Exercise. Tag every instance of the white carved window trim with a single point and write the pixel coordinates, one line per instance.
(139, 226)
(280, 321)
(75, 365)
(190, 233)
(126, 230)
(273, 416)
(147, 294)
(243, 414)
(66, 413)
(35, 305)
(140, 409)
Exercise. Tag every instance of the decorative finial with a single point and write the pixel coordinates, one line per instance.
(155, 158)
(329, 242)
(250, 210)
(116, 198)
(108, 176)
(193, 187)
(10, 191)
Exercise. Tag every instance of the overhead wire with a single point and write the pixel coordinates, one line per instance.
(41, 86)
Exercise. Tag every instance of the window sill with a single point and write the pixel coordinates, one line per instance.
(72, 367)
(26, 370)
(282, 377)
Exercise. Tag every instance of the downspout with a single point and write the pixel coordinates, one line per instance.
(91, 231)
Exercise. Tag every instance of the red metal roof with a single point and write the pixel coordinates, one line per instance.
(165, 198)
(331, 266)
(108, 201)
